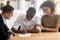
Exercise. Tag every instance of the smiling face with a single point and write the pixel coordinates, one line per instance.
(30, 13)
(47, 10)
(29, 16)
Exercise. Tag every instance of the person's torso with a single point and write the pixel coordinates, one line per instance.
(50, 21)
(27, 25)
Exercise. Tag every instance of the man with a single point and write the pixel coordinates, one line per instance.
(7, 12)
(26, 23)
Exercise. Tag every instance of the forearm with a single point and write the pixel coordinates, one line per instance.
(51, 29)
(33, 31)
(15, 31)
(18, 31)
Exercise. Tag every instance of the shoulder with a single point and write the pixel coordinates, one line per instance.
(21, 16)
(44, 16)
(56, 15)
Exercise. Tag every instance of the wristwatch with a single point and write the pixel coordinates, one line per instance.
(47, 29)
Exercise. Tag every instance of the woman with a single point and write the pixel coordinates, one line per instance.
(49, 21)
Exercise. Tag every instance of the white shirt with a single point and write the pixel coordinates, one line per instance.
(25, 24)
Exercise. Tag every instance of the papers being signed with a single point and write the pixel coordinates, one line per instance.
(25, 35)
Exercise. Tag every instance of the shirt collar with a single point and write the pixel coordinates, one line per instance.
(4, 19)
(29, 20)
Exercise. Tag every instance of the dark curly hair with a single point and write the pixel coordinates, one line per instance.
(31, 10)
(48, 4)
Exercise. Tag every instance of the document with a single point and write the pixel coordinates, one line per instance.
(25, 35)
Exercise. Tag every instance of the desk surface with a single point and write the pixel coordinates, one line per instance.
(39, 36)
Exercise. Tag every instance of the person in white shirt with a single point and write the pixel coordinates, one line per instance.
(26, 23)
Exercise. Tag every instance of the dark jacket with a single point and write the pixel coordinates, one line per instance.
(4, 33)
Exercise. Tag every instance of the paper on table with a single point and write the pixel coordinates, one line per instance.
(25, 35)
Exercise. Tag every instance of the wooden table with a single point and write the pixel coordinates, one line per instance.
(40, 36)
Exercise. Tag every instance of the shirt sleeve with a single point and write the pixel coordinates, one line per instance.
(17, 23)
(58, 21)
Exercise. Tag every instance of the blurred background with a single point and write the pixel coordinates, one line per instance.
(20, 7)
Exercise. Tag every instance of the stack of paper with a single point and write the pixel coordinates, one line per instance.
(25, 35)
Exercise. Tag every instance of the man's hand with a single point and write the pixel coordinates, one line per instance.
(23, 31)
